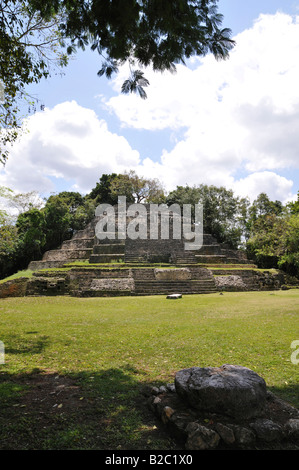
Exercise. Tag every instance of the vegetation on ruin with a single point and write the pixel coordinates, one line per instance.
(267, 230)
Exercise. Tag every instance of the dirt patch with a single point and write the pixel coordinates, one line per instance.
(55, 412)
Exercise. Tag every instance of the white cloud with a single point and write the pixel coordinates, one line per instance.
(242, 113)
(275, 186)
(67, 142)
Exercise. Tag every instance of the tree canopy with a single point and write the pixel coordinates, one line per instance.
(137, 189)
(266, 229)
(29, 46)
(144, 33)
(35, 34)
(224, 213)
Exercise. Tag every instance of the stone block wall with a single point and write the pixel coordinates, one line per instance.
(14, 288)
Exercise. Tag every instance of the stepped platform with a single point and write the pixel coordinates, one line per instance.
(86, 266)
(123, 280)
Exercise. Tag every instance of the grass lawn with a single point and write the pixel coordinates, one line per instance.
(74, 367)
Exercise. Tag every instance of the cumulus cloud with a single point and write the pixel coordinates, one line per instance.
(242, 113)
(69, 142)
(277, 187)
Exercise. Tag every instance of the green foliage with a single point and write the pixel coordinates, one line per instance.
(143, 33)
(270, 230)
(274, 234)
(29, 47)
(65, 213)
(101, 193)
(224, 214)
(40, 229)
(294, 206)
(135, 84)
(31, 231)
(137, 189)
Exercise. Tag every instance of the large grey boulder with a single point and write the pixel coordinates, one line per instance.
(230, 390)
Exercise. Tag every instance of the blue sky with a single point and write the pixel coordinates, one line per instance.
(232, 123)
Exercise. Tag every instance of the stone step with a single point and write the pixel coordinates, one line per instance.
(210, 258)
(176, 282)
(37, 265)
(227, 265)
(104, 249)
(111, 237)
(149, 287)
(101, 293)
(77, 243)
(209, 250)
(136, 259)
(185, 261)
(106, 258)
(66, 255)
(87, 233)
(143, 274)
(108, 241)
(167, 291)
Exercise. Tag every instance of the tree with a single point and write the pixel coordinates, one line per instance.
(266, 227)
(65, 213)
(8, 238)
(266, 243)
(30, 46)
(289, 261)
(294, 206)
(32, 236)
(262, 206)
(101, 193)
(4, 194)
(137, 189)
(224, 215)
(23, 202)
(143, 33)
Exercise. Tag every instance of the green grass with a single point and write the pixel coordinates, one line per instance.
(112, 346)
(25, 273)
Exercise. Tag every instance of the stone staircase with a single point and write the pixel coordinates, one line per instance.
(174, 287)
(78, 248)
(163, 281)
(110, 251)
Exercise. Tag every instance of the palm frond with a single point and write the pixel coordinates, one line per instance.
(135, 84)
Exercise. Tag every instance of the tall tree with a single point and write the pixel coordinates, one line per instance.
(137, 189)
(65, 213)
(30, 46)
(224, 214)
(101, 193)
(32, 236)
(294, 206)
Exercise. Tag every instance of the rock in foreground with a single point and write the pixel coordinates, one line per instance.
(210, 408)
(230, 390)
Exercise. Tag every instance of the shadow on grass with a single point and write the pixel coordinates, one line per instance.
(103, 410)
(288, 393)
(26, 345)
(98, 410)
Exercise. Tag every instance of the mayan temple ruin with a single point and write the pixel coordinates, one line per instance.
(87, 266)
